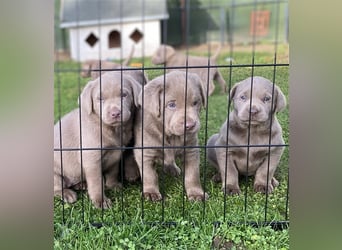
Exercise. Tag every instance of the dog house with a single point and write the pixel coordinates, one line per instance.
(107, 29)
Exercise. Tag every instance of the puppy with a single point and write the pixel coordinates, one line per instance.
(94, 134)
(90, 68)
(254, 111)
(166, 54)
(172, 122)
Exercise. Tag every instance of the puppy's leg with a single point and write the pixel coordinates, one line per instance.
(212, 159)
(221, 81)
(228, 171)
(131, 167)
(211, 87)
(148, 174)
(169, 165)
(93, 174)
(260, 181)
(69, 195)
(111, 177)
(193, 186)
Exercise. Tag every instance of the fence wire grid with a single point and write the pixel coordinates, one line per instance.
(191, 37)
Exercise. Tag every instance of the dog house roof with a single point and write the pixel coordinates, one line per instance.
(78, 13)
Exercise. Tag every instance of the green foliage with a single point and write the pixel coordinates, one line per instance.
(127, 223)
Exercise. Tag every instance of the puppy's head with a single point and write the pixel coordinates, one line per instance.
(163, 53)
(113, 99)
(178, 101)
(257, 104)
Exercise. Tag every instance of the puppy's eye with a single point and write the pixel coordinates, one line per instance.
(266, 99)
(171, 105)
(195, 103)
(243, 98)
(124, 95)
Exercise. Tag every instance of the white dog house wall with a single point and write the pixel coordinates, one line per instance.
(107, 29)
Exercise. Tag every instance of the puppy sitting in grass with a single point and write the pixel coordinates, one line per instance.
(98, 129)
(249, 132)
(166, 127)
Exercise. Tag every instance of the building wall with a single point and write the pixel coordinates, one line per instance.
(81, 50)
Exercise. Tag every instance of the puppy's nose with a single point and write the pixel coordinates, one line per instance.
(116, 113)
(254, 110)
(190, 125)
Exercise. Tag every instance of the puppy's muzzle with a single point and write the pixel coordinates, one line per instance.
(115, 113)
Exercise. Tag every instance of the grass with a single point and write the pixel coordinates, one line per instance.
(133, 223)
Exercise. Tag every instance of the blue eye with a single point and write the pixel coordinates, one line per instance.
(266, 99)
(171, 105)
(243, 98)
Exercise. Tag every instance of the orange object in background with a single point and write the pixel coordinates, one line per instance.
(259, 23)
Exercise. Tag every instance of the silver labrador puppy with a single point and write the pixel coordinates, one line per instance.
(104, 124)
(170, 118)
(253, 110)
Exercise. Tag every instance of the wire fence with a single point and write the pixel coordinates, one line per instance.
(208, 23)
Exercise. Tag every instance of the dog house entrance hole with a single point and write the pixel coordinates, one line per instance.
(92, 40)
(114, 39)
(136, 36)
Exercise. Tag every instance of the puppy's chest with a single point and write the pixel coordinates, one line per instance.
(252, 153)
(174, 147)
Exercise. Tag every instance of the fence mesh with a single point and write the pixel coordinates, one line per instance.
(194, 28)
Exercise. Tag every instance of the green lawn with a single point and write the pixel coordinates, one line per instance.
(128, 225)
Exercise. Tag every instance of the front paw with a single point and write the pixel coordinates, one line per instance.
(230, 189)
(216, 178)
(173, 170)
(197, 195)
(100, 203)
(262, 187)
(132, 174)
(68, 195)
(152, 196)
(113, 185)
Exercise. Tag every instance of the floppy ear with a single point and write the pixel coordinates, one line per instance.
(152, 100)
(135, 88)
(280, 100)
(86, 99)
(161, 55)
(201, 86)
(233, 92)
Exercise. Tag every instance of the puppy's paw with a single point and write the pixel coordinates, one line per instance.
(216, 178)
(113, 185)
(99, 203)
(274, 182)
(198, 196)
(132, 175)
(152, 196)
(69, 195)
(263, 188)
(231, 190)
(173, 170)
(80, 186)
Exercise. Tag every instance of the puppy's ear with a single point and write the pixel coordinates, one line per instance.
(203, 90)
(162, 54)
(233, 92)
(86, 99)
(152, 100)
(136, 89)
(280, 100)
